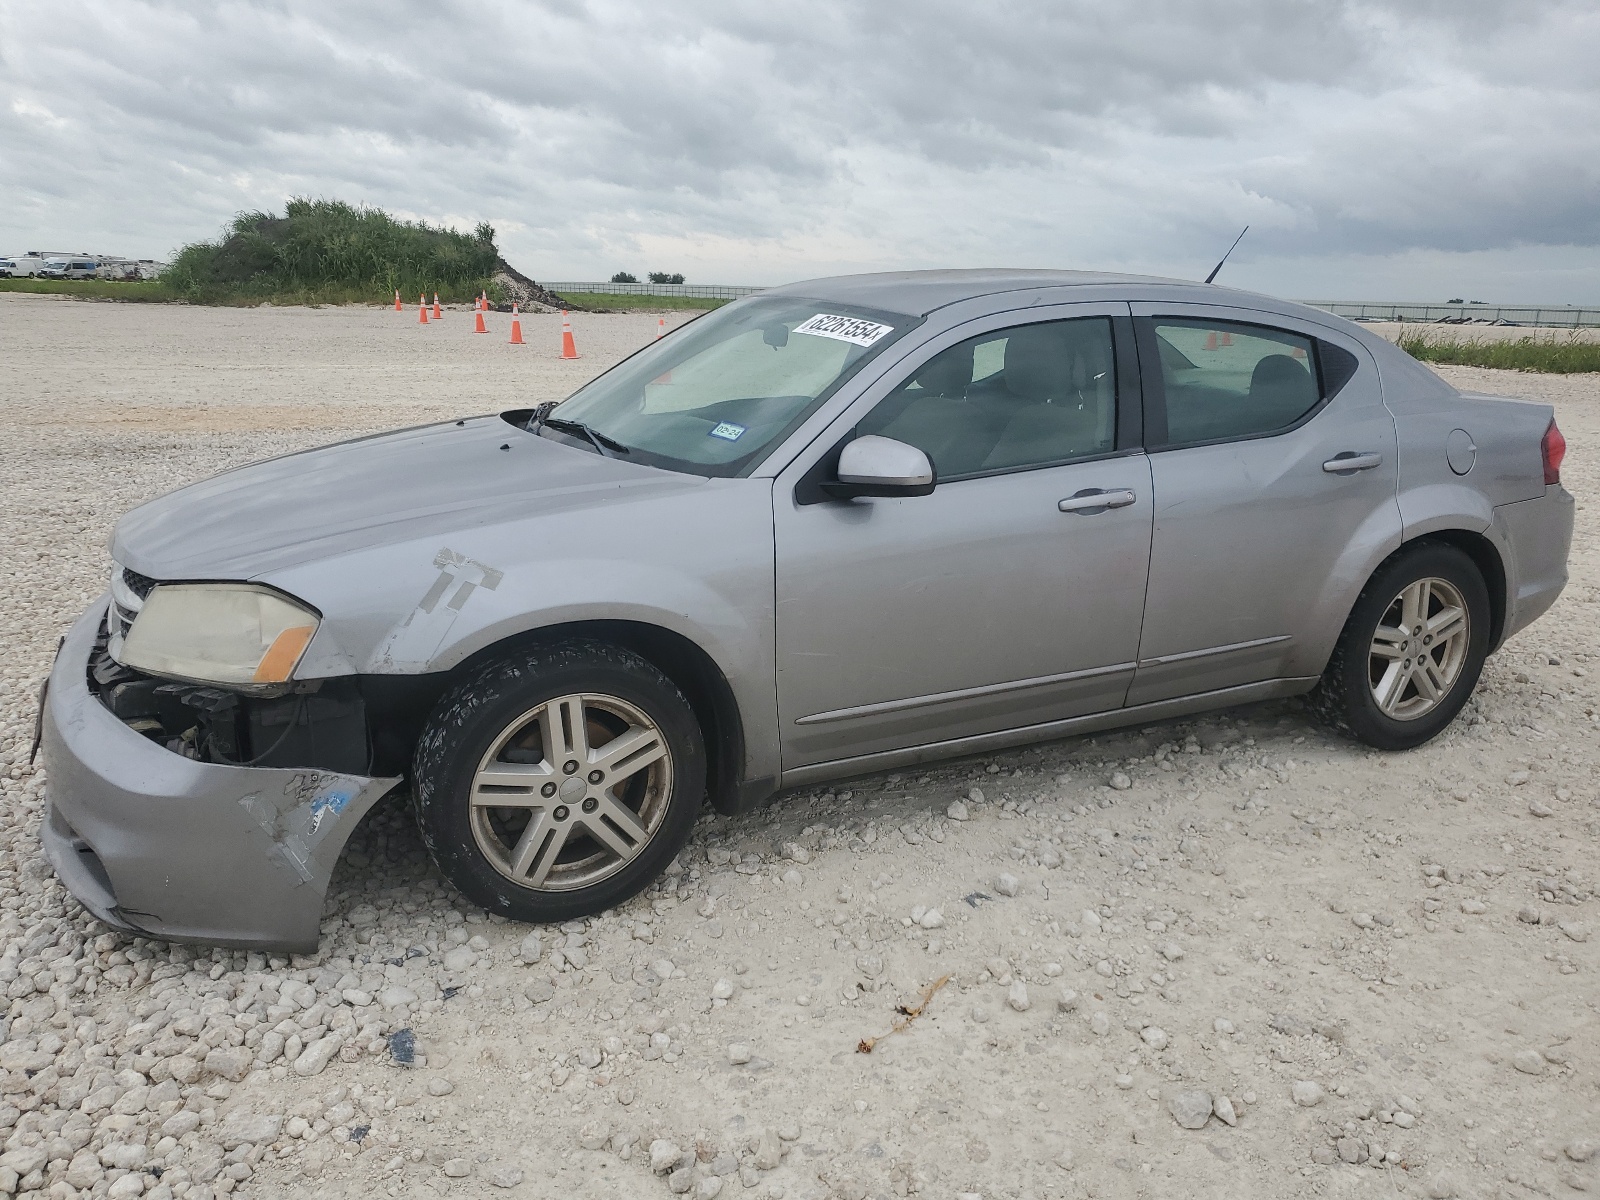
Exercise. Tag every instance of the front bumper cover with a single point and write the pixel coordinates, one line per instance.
(160, 845)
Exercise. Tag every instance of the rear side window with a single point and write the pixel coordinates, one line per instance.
(1226, 380)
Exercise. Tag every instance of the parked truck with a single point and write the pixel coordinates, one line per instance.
(20, 266)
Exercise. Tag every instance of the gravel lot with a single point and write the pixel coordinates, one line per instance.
(1375, 972)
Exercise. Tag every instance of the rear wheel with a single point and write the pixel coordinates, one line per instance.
(1411, 651)
(560, 781)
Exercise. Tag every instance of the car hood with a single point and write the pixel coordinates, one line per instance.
(353, 495)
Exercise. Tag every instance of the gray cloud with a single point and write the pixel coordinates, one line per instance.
(761, 142)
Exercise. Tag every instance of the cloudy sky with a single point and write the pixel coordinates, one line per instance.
(1416, 150)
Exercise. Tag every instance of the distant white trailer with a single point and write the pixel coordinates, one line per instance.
(128, 269)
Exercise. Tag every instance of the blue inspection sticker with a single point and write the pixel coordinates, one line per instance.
(727, 431)
(331, 804)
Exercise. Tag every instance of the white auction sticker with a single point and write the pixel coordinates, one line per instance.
(843, 329)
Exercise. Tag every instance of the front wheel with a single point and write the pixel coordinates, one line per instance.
(1411, 651)
(560, 781)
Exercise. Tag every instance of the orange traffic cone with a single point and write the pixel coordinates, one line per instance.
(397, 299)
(1211, 340)
(661, 327)
(1298, 352)
(480, 327)
(436, 313)
(1227, 339)
(516, 327)
(422, 310)
(569, 348)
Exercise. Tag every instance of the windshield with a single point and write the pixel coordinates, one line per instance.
(713, 397)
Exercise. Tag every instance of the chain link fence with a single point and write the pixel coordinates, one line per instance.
(1562, 316)
(704, 291)
(1548, 316)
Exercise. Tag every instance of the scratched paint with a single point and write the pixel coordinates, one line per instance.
(417, 639)
(304, 815)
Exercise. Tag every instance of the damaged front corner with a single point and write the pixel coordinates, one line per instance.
(181, 849)
(309, 815)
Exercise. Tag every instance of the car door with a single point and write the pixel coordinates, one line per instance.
(1273, 463)
(1011, 595)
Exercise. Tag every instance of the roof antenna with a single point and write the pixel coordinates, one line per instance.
(1224, 258)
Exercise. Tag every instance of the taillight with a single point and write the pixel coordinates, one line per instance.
(1554, 449)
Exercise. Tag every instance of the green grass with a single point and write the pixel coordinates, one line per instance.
(158, 291)
(609, 301)
(1561, 356)
(93, 289)
(329, 252)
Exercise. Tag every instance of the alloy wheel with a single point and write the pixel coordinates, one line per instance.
(1418, 649)
(570, 792)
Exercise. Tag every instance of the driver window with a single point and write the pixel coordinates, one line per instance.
(1026, 396)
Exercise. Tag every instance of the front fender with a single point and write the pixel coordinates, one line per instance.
(570, 591)
(698, 564)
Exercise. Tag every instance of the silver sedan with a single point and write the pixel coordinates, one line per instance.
(833, 528)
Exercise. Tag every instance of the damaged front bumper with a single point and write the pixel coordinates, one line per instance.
(158, 844)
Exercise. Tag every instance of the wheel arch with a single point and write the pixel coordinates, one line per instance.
(1486, 557)
(694, 672)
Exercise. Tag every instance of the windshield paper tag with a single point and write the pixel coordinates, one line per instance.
(843, 329)
(728, 431)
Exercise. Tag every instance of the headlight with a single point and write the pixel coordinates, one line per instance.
(235, 633)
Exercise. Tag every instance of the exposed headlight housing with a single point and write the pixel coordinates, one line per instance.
(240, 634)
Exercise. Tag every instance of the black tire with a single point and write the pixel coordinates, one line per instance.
(1345, 697)
(473, 714)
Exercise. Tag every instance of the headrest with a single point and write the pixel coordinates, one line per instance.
(1037, 362)
(1282, 376)
(948, 373)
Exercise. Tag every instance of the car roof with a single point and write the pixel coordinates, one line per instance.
(918, 293)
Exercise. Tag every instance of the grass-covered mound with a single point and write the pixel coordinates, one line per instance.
(329, 252)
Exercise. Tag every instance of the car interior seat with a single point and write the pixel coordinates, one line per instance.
(1060, 384)
(932, 412)
(1281, 389)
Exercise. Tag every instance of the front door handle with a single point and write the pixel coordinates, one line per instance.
(1349, 462)
(1093, 500)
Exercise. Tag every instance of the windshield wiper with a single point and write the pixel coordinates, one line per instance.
(598, 440)
(540, 417)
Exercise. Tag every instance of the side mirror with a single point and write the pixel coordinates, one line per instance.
(880, 466)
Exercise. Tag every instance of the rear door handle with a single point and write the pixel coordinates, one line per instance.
(1093, 500)
(1349, 462)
